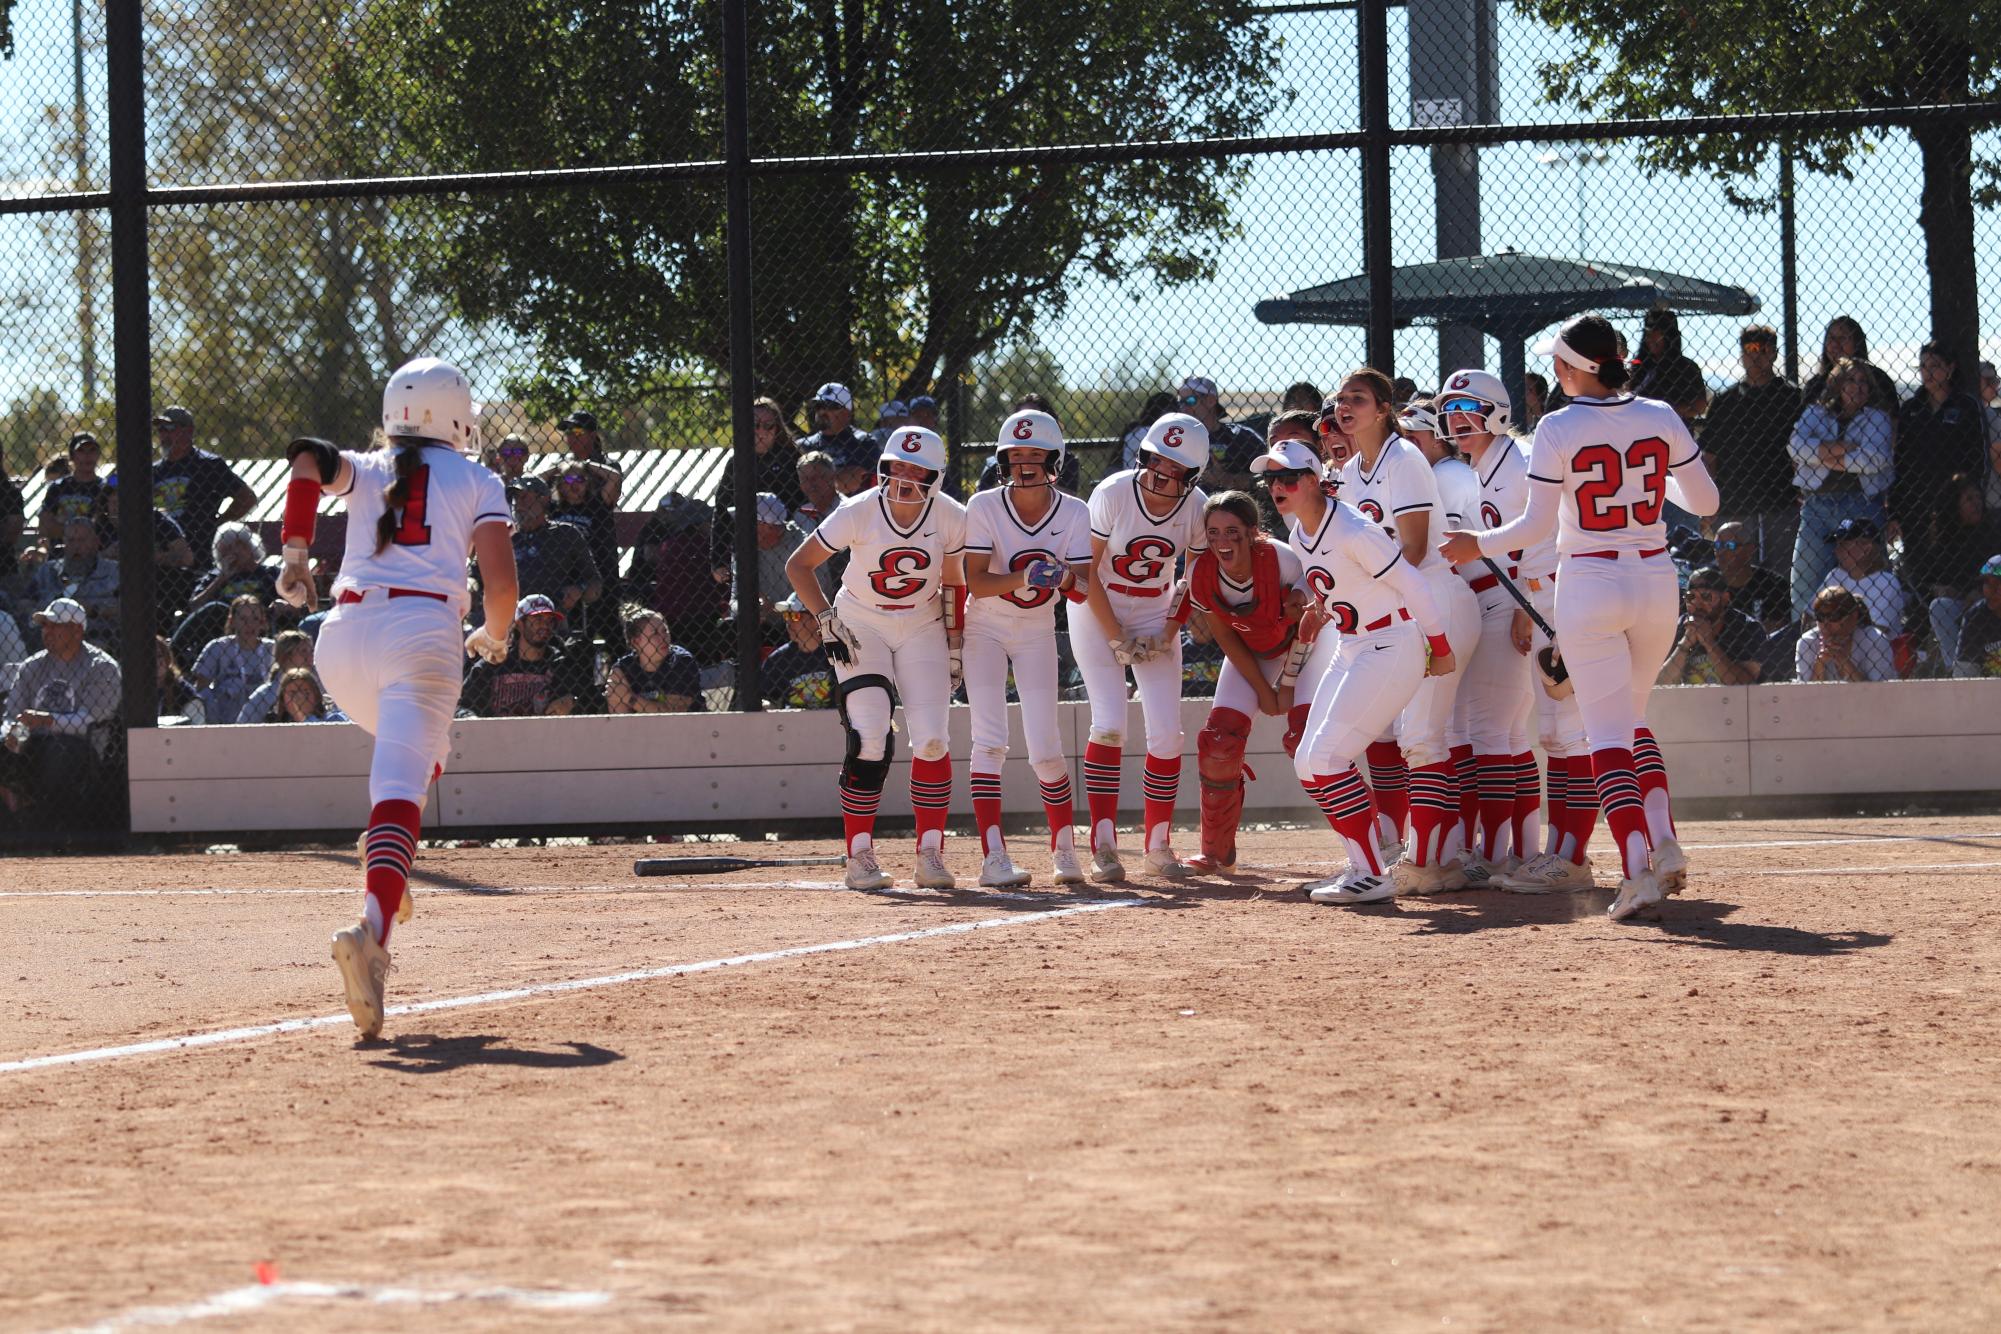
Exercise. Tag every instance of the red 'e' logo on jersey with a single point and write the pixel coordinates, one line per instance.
(1372, 509)
(1489, 516)
(894, 582)
(1144, 559)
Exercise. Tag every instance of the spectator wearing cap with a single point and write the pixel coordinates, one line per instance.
(586, 445)
(888, 417)
(1716, 644)
(1754, 590)
(1402, 390)
(59, 721)
(1841, 453)
(1840, 647)
(923, 411)
(1744, 444)
(797, 675)
(777, 471)
(83, 576)
(575, 501)
(853, 453)
(1941, 433)
(1978, 651)
(657, 675)
(82, 494)
(1663, 372)
(197, 489)
(777, 538)
(537, 679)
(1946, 571)
(1231, 447)
(552, 559)
(1861, 567)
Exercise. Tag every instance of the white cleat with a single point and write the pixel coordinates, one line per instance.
(1639, 896)
(932, 873)
(1548, 873)
(364, 972)
(1106, 868)
(998, 871)
(865, 872)
(1670, 866)
(1351, 887)
(1481, 873)
(1163, 863)
(1065, 866)
(1422, 881)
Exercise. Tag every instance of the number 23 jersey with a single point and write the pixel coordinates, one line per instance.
(1612, 457)
(449, 496)
(1140, 548)
(892, 569)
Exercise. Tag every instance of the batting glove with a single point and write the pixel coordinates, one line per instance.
(482, 643)
(1045, 574)
(295, 579)
(842, 644)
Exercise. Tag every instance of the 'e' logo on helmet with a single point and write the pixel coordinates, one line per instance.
(912, 443)
(1024, 429)
(1171, 437)
(1460, 381)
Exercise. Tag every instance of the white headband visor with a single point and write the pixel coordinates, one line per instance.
(1556, 346)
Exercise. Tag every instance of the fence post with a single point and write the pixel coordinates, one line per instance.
(1789, 273)
(1373, 36)
(132, 356)
(743, 386)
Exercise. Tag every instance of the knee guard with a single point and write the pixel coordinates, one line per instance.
(868, 775)
(1219, 748)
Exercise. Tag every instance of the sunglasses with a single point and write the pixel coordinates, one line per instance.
(1190, 400)
(1729, 546)
(1472, 405)
(1285, 476)
(573, 477)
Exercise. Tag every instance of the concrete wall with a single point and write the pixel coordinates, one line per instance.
(694, 772)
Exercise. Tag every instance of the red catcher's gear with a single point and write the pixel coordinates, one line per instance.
(1219, 751)
(1261, 623)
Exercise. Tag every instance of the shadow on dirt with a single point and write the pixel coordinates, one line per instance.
(423, 1054)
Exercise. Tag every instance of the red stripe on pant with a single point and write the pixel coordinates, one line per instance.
(1619, 796)
(986, 789)
(1101, 786)
(389, 847)
(930, 795)
(1434, 808)
(1389, 778)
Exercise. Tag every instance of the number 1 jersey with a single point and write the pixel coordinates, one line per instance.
(449, 496)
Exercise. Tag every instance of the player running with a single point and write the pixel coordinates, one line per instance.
(1600, 471)
(1392, 485)
(1366, 662)
(1248, 586)
(390, 648)
(1143, 520)
(1026, 544)
(894, 624)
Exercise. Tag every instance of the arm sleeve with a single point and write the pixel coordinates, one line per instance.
(1870, 434)
(1690, 485)
(833, 532)
(1101, 511)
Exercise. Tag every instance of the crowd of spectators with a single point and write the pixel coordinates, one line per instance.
(1859, 539)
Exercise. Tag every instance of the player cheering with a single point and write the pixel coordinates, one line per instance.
(389, 650)
(894, 624)
(1392, 485)
(1026, 543)
(1365, 665)
(1143, 520)
(1608, 462)
(1246, 584)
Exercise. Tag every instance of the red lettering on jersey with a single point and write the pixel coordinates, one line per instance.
(1030, 598)
(893, 582)
(1344, 616)
(1024, 429)
(1144, 559)
(1595, 511)
(1490, 517)
(1319, 582)
(412, 530)
(1372, 510)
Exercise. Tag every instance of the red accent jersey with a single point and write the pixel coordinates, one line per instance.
(449, 496)
(998, 540)
(891, 568)
(1142, 549)
(1255, 608)
(1343, 564)
(1612, 457)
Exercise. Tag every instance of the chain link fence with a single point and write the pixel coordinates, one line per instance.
(1112, 205)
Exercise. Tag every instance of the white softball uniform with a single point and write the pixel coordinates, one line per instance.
(1137, 573)
(391, 648)
(1492, 711)
(1019, 627)
(889, 597)
(1600, 471)
(1233, 691)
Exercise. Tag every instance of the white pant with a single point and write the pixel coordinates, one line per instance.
(1616, 621)
(394, 665)
(910, 649)
(1492, 712)
(1159, 680)
(1369, 679)
(1559, 726)
(1029, 643)
(1422, 730)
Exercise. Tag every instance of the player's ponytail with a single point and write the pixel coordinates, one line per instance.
(396, 495)
(1593, 336)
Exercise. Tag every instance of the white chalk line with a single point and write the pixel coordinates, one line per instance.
(1891, 869)
(218, 1037)
(257, 1296)
(488, 891)
(1835, 842)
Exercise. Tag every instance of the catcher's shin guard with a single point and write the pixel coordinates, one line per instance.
(1219, 751)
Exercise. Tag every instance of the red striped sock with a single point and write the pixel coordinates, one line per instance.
(1434, 809)
(1344, 799)
(1101, 791)
(987, 810)
(1583, 805)
(930, 798)
(1528, 804)
(1160, 784)
(1057, 805)
(1556, 810)
(390, 846)
(858, 806)
(1625, 815)
(1389, 779)
(1497, 800)
(1465, 769)
(1652, 772)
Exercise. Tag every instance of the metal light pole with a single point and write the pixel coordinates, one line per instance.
(1579, 156)
(86, 257)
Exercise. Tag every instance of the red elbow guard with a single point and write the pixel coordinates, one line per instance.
(302, 507)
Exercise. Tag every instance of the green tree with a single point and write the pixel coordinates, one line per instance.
(894, 280)
(1737, 56)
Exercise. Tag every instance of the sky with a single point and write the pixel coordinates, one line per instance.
(1860, 251)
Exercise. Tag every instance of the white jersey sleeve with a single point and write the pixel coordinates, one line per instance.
(1142, 549)
(1611, 457)
(449, 496)
(997, 539)
(1401, 483)
(1504, 497)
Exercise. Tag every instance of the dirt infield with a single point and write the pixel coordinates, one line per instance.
(1211, 1106)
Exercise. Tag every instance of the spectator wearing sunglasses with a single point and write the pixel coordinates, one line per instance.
(1754, 590)
(1716, 644)
(1231, 446)
(577, 502)
(1840, 647)
(510, 458)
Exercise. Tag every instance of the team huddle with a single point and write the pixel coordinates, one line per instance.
(1442, 583)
